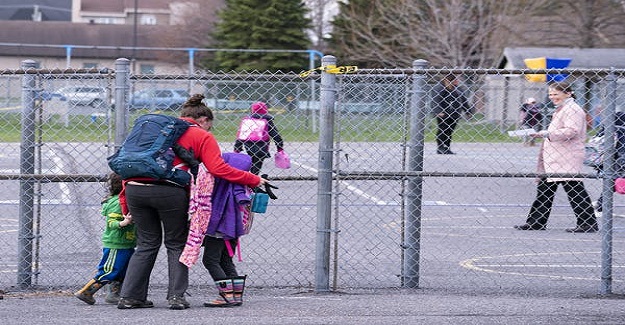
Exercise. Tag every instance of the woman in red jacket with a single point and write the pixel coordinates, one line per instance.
(160, 208)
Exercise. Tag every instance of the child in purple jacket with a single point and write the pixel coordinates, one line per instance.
(226, 225)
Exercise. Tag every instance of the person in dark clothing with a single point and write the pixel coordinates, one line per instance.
(619, 156)
(255, 134)
(449, 103)
(531, 118)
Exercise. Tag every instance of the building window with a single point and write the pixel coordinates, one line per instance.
(146, 68)
(107, 21)
(148, 20)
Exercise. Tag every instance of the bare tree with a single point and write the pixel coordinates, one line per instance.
(581, 23)
(452, 33)
(321, 12)
(195, 22)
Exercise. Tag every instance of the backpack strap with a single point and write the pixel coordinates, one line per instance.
(238, 248)
(162, 137)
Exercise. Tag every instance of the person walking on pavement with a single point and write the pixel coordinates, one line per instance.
(562, 152)
(160, 212)
(255, 134)
(449, 103)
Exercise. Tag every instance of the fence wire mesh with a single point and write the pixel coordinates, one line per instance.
(58, 127)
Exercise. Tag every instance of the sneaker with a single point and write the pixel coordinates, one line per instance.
(583, 229)
(178, 303)
(112, 298)
(597, 206)
(445, 152)
(129, 303)
(529, 227)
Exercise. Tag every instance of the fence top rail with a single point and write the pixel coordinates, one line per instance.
(243, 76)
(492, 71)
(33, 71)
(207, 75)
(293, 75)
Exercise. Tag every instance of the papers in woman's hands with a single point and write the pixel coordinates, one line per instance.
(521, 133)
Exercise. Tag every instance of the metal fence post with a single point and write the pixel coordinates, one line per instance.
(27, 166)
(122, 86)
(414, 191)
(608, 121)
(324, 187)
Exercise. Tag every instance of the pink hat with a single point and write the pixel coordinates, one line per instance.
(259, 108)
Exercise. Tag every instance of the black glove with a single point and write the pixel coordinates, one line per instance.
(267, 189)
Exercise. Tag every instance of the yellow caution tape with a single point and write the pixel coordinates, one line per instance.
(331, 69)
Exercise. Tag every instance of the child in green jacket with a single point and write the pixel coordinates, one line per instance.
(118, 241)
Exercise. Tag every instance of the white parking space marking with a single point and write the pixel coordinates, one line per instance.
(349, 187)
(8, 223)
(476, 265)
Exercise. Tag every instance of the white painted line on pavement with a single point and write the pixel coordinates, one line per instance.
(58, 169)
(473, 264)
(349, 187)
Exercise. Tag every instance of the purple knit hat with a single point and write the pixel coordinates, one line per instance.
(259, 108)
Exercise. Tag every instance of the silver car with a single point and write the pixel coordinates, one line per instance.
(158, 99)
(84, 95)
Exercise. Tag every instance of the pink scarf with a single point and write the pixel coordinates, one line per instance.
(200, 212)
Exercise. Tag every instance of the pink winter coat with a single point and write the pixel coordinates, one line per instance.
(563, 151)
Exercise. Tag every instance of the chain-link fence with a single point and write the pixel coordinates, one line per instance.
(370, 200)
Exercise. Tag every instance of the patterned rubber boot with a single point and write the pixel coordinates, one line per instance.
(226, 295)
(238, 286)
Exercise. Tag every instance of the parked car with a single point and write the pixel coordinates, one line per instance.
(47, 95)
(84, 95)
(158, 99)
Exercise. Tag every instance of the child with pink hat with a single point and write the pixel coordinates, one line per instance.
(255, 133)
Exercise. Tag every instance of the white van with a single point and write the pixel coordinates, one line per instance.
(85, 95)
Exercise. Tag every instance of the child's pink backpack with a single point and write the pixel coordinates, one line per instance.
(619, 185)
(253, 129)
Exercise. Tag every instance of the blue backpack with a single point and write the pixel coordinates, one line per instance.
(150, 148)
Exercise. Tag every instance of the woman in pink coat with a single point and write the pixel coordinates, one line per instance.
(562, 152)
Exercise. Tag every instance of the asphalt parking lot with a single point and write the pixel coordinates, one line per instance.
(289, 306)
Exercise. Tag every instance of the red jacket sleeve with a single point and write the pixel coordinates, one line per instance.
(206, 150)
